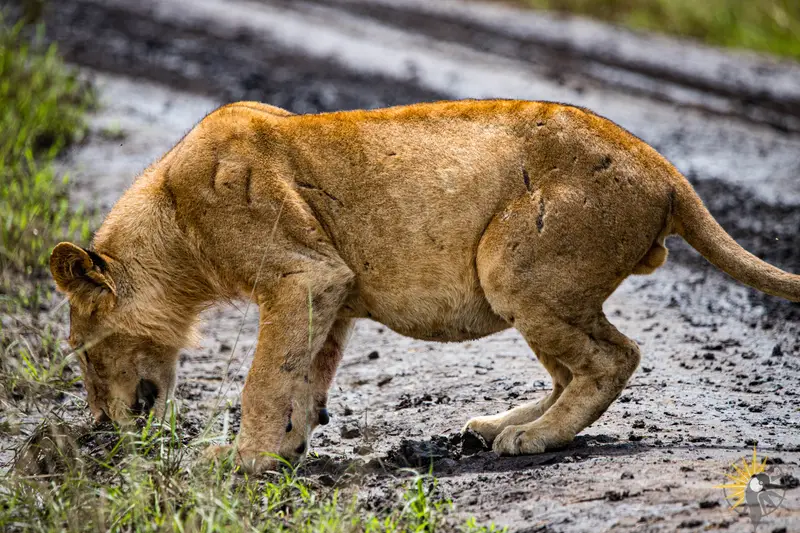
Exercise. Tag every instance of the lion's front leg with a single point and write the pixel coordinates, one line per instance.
(310, 408)
(296, 318)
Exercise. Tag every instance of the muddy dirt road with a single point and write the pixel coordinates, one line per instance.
(721, 363)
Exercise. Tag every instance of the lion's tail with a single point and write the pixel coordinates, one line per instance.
(693, 222)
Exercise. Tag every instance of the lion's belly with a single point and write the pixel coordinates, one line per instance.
(457, 328)
(466, 323)
(439, 303)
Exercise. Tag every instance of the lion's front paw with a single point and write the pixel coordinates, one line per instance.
(487, 427)
(250, 462)
(517, 440)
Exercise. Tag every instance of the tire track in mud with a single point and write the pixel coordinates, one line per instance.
(230, 67)
(607, 61)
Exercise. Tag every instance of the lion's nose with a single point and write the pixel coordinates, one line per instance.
(146, 394)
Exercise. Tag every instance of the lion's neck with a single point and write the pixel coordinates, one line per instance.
(161, 287)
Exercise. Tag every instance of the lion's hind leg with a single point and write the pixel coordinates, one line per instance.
(489, 427)
(601, 361)
(546, 267)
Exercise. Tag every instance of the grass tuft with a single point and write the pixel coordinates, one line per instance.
(32, 365)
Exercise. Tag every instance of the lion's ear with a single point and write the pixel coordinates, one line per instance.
(82, 274)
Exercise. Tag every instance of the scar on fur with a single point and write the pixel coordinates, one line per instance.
(526, 178)
(312, 187)
(289, 365)
(170, 194)
(248, 182)
(540, 218)
(214, 170)
(604, 164)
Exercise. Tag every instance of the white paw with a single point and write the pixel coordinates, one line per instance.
(516, 440)
(487, 427)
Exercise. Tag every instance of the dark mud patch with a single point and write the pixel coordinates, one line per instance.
(454, 455)
(423, 400)
(244, 66)
(768, 231)
(472, 443)
(458, 453)
(425, 453)
(578, 66)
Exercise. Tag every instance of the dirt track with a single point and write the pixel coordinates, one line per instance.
(721, 363)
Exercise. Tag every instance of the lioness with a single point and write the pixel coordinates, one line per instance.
(446, 221)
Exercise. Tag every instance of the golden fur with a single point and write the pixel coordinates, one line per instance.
(445, 221)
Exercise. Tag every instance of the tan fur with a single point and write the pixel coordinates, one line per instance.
(445, 221)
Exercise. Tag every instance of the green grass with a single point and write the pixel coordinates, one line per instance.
(42, 104)
(33, 367)
(771, 26)
(148, 480)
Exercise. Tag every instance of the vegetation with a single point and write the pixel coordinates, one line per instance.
(147, 480)
(41, 112)
(771, 26)
(42, 104)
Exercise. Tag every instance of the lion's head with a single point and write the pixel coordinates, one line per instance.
(126, 371)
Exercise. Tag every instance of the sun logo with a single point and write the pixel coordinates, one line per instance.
(741, 478)
(751, 484)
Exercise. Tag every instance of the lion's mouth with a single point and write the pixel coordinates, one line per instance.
(146, 395)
